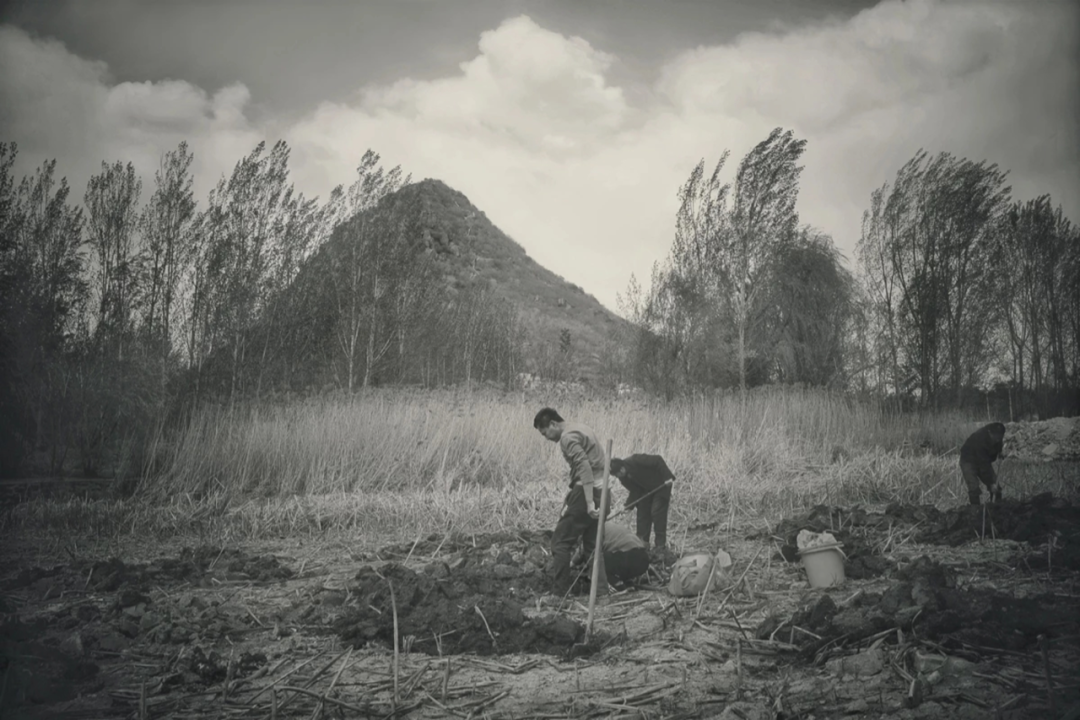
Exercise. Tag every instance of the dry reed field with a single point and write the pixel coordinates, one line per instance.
(397, 463)
(382, 555)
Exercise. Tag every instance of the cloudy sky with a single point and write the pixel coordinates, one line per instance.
(571, 123)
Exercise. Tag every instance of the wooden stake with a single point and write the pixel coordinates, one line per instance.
(598, 573)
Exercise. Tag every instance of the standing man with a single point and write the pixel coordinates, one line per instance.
(977, 455)
(641, 475)
(581, 449)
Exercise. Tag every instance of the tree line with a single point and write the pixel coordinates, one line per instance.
(117, 312)
(956, 286)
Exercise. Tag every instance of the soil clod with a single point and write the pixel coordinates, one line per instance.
(470, 609)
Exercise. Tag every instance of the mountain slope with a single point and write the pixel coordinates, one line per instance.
(474, 252)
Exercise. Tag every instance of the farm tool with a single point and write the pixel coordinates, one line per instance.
(633, 504)
(667, 483)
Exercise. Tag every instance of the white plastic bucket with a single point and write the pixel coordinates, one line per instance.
(824, 565)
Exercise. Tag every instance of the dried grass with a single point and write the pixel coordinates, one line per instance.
(398, 463)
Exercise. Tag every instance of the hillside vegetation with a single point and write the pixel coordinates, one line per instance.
(478, 254)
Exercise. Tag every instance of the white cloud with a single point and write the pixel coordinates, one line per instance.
(58, 105)
(534, 133)
(981, 80)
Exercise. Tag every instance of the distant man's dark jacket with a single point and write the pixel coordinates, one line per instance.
(980, 449)
(644, 475)
(646, 472)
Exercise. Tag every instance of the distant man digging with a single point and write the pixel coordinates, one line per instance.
(583, 453)
(645, 478)
(977, 456)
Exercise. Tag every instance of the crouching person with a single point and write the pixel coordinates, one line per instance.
(626, 557)
(977, 456)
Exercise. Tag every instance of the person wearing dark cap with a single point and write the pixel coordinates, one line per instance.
(977, 456)
(582, 452)
(645, 478)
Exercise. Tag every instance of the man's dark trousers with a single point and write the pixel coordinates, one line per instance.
(644, 474)
(652, 513)
(575, 524)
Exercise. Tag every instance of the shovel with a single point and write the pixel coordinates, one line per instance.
(667, 483)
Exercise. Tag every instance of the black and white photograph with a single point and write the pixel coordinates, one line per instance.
(539, 359)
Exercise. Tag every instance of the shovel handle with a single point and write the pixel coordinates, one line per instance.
(667, 483)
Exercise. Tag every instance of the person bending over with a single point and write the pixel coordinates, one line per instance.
(644, 477)
(977, 456)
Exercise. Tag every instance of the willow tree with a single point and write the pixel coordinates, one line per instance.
(367, 262)
(806, 309)
(43, 294)
(112, 204)
(704, 310)
(762, 217)
(166, 224)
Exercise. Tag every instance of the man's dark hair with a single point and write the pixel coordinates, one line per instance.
(616, 465)
(545, 417)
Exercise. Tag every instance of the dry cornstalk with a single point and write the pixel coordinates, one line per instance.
(298, 667)
(735, 585)
(230, 673)
(441, 705)
(737, 623)
(414, 679)
(1044, 647)
(738, 660)
(312, 681)
(332, 701)
(482, 702)
(415, 543)
(705, 592)
(393, 606)
(648, 692)
(337, 676)
(487, 627)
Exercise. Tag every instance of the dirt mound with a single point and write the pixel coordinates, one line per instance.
(1034, 520)
(460, 543)
(1054, 439)
(37, 672)
(854, 528)
(444, 611)
(924, 600)
(198, 566)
